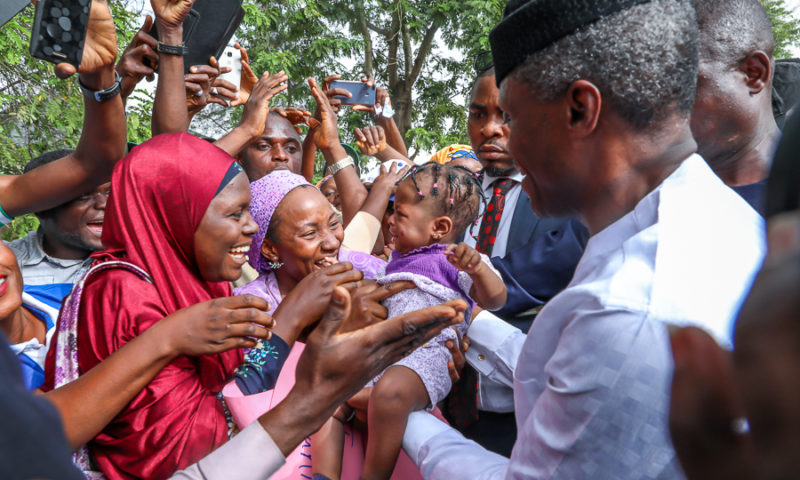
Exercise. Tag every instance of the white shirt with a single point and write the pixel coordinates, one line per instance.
(501, 241)
(592, 377)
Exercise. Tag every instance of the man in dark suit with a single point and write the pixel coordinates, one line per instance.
(535, 256)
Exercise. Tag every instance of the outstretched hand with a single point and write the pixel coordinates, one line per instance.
(371, 140)
(256, 110)
(100, 46)
(218, 325)
(306, 303)
(338, 362)
(131, 66)
(327, 135)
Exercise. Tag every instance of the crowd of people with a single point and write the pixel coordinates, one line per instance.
(600, 285)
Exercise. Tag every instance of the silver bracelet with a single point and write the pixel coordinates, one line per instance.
(341, 164)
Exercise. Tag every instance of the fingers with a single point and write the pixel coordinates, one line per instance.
(243, 52)
(337, 312)
(244, 301)
(249, 330)
(148, 24)
(401, 335)
(327, 82)
(386, 291)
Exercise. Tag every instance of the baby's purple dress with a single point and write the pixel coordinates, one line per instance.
(437, 282)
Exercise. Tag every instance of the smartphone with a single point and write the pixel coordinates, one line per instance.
(362, 94)
(231, 57)
(59, 30)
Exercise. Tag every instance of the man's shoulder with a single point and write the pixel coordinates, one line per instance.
(26, 248)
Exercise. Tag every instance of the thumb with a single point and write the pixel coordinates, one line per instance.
(337, 312)
(148, 24)
(65, 70)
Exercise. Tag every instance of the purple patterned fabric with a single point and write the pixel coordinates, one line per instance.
(437, 281)
(266, 285)
(66, 369)
(428, 261)
(267, 194)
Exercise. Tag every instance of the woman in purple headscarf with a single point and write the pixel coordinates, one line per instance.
(299, 235)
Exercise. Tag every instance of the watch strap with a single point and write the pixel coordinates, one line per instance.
(341, 164)
(172, 49)
(100, 96)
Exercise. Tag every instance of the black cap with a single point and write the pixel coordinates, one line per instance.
(529, 26)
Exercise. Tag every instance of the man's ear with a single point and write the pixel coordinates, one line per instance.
(757, 68)
(442, 226)
(269, 251)
(583, 108)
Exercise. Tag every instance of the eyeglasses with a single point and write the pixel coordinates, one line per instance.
(483, 61)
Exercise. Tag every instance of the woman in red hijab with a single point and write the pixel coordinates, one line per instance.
(179, 213)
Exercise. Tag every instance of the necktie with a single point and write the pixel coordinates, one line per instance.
(487, 235)
(462, 403)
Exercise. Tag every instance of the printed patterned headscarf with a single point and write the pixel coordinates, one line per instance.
(267, 194)
(453, 152)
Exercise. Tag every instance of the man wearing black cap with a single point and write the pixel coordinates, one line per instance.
(597, 96)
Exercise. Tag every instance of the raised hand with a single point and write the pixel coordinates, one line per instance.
(100, 46)
(218, 325)
(464, 258)
(200, 87)
(389, 177)
(248, 79)
(332, 94)
(171, 13)
(371, 140)
(327, 135)
(254, 116)
(131, 67)
(295, 116)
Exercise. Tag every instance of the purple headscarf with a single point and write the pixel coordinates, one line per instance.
(267, 194)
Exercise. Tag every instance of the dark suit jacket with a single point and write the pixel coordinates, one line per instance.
(540, 260)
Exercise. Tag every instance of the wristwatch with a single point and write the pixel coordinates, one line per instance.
(172, 49)
(341, 164)
(100, 96)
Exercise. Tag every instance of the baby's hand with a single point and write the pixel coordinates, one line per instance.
(464, 258)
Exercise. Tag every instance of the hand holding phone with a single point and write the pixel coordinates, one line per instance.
(98, 46)
(362, 93)
(232, 57)
(59, 31)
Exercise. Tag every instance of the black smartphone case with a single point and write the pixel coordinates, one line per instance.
(59, 30)
(208, 29)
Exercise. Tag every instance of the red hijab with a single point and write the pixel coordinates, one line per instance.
(160, 193)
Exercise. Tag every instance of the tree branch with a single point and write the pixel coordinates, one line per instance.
(393, 42)
(424, 50)
(407, 53)
(363, 25)
(380, 31)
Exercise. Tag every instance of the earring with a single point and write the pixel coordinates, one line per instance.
(275, 264)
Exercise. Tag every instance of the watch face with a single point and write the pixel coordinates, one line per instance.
(59, 30)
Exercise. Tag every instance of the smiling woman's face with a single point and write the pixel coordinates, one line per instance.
(10, 282)
(307, 233)
(223, 237)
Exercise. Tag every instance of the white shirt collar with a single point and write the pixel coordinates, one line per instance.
(488, 179)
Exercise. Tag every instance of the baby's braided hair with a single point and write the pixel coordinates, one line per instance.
(464, 193)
